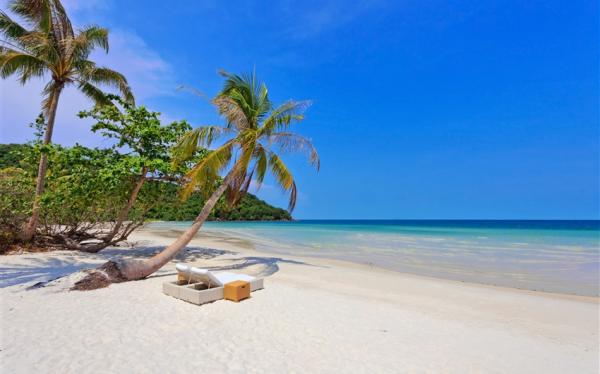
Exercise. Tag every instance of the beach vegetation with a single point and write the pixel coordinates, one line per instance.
(92, 196)
(16, 189)
(86, 192)
(46, 45)
(89, 190)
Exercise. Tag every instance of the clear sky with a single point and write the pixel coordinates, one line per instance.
(421, 109)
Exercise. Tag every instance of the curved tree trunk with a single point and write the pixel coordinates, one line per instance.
(29, 229)
(128, 270)
(125, 212)
(108, 238)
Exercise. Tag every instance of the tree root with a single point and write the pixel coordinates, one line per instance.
(100, 277)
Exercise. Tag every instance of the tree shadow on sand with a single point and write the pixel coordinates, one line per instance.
(268, 265)
(42, 270)
(39, 270)
(141, 252)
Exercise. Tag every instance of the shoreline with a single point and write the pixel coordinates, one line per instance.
(314, 315)
(162, 233)
(241, 245)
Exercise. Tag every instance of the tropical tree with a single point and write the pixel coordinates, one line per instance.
(138, 133)
(48, 46)
(256, 133)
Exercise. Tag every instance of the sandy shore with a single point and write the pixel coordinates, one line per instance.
(314, 315)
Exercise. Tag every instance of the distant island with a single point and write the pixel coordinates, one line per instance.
(250, 208)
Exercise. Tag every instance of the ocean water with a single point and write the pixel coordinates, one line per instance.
(553, 256)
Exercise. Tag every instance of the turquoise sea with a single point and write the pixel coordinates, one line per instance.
(553, 256)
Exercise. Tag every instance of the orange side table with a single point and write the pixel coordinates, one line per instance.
(236, 290)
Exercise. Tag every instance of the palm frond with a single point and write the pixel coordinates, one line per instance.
(233, 82)
(43, 46)
(283, 177)
(290, 142)
(61, 24)
(281, 117)
(26, 65)
(207, 170)
(244, 101)
(260, 166)
(191, 141)
(87, 39)
(232, 111)
(94, 93)
(263, 104)
(37, 12)
(10, 28)
(108, 77)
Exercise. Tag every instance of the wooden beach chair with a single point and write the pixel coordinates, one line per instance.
(200, 286)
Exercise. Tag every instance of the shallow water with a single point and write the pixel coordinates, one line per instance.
(553, 256)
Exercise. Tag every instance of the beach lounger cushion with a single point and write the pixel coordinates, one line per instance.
(217, 279)
(225, 277)
(206, 276)
(183, 268)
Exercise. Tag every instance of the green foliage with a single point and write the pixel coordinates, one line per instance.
(138, 132)
(12, 154)
(16, 189)
(39, 127)
(92, 185)
(85, 185)
(82, 184)
(250, 208)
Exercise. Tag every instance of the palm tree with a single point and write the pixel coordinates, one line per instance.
(255, 132)
(51, 47)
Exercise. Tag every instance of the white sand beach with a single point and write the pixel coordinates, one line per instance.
(314, 315)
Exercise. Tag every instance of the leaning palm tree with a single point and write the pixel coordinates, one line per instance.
(50, 47)
(255, 133)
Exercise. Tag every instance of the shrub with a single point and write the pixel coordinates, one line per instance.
(16, 191)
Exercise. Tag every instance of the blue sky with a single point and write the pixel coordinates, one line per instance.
(421, 109)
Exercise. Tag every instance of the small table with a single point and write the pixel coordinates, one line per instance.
(236, 290)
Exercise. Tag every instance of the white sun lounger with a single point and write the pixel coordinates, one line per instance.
(195, 291)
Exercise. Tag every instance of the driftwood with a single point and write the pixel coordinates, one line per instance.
(88, 239)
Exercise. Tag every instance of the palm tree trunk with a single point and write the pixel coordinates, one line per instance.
(128, 270)
(29, 229)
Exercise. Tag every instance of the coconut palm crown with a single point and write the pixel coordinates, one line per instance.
(256, 133)
(51, 46)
